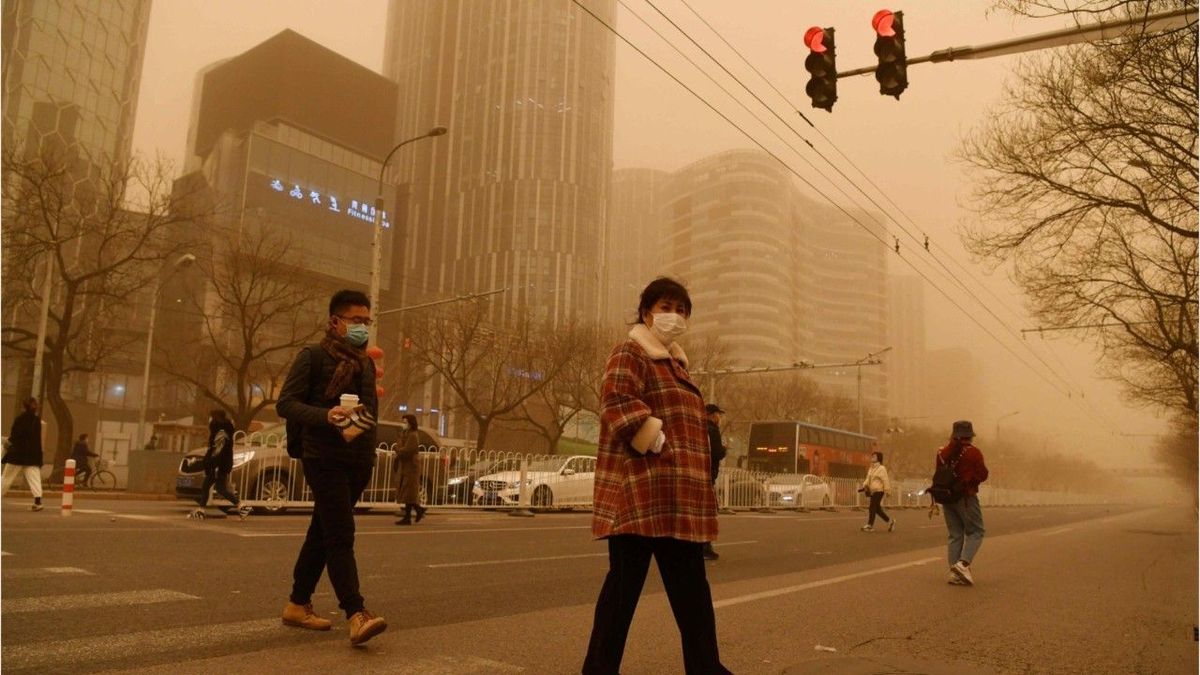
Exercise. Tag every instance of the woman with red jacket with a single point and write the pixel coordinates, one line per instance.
(653, 494)
(964, 518)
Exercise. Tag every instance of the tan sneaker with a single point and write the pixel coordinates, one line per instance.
(301, 616)
(364, 626)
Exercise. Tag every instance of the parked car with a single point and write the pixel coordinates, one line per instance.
(463, 478)
(551, 482)
(796, 490)
(263, 471)
(745, 489)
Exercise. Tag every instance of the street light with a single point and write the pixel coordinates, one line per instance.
(996, 440)
(182, 261)
(869, 359)
(377, 239)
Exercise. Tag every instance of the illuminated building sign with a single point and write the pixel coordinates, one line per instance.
(362, 210)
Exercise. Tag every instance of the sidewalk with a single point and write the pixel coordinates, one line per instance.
(1045, 602)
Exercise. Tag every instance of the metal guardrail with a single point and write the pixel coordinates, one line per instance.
(463, 478)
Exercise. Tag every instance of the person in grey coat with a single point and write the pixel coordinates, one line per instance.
(23, 452)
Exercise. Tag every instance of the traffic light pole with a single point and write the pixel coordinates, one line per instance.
(1101, 30)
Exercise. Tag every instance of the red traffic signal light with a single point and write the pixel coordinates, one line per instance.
(892, 71)
(821, 65)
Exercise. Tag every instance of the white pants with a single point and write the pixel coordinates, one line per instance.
(33, 476)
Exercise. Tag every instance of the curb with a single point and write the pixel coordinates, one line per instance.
(117, 495)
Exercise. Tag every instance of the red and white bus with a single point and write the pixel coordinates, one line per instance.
(799, 447)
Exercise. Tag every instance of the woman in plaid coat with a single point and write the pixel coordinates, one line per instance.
(653, 489)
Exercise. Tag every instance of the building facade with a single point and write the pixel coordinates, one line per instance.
(906, 335)
(633, 252)
(71, 73)
(516, 195)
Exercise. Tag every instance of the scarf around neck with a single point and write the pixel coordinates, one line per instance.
(351, 361)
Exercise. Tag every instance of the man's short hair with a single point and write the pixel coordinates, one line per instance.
(347, 298)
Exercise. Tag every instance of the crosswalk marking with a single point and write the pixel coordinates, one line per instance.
(39, 572)
(4, 553)
(508, 561)
(53, 654)
(89, 600)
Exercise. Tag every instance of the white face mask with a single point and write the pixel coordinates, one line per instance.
(668, 327)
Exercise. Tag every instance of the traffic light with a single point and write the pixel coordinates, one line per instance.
(892, 71)
(821, 65)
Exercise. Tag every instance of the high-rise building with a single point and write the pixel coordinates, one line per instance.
(516, 195)
(71, 72)
(905, 364)
(633, 243)
(289, 137)
(775, 277)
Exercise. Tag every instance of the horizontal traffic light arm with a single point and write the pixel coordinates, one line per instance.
(1101, 30)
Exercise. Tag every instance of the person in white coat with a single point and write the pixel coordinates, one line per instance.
(875, 486)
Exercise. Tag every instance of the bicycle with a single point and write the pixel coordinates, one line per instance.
(99, 477)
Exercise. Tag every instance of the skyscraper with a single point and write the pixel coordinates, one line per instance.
(906, 335)
(517, 194)
(71, 73)
(633, 242)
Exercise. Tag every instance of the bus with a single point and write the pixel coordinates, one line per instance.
(799, 447)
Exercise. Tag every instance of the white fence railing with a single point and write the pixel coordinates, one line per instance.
(264, 476)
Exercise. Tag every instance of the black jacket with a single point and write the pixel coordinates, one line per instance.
(321, 439)
(219, 455)
(26, 440)
(716, 447)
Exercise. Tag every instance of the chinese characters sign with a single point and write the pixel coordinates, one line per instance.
(362, 210)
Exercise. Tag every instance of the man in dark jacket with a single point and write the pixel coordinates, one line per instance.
(218, 464)
(24, 452)
(964, 518)
(338, 456)
(716, 449)
(81, 454)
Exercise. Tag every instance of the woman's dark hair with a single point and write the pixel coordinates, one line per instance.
(218, 415)
(412, 420)
(29, 403)
(879, 455)
(663, 287)
(347, 298)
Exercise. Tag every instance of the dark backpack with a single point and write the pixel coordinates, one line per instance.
(294, 428)
(947, 488)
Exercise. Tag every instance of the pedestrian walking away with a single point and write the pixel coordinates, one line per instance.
(337, 454)
(23, 453)
(408, 474)
(81, 453)
(964, 516)
(876, 486)
(717, 451)
(218, 465)
(653, 494)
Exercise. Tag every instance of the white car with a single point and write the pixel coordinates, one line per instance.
(552, 481)
(798, 490)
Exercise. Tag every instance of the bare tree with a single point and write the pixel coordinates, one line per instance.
(254, 313)
(105, 230)
(582, 350)
(1087, 184)
(492, 369)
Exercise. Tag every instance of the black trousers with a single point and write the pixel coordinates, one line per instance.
(336, 487)
(876, 508)
(220, 480)
(681, 565)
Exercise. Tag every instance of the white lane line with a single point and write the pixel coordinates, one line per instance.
(4, 553)
(50, 655)
(41, 572)
(510, 561)
(798, 518)
(362, 533)
(741, 599)
(47, 603)
(90, 510)
(1060, 530)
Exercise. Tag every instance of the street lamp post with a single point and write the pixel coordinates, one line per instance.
(180, 262)
(377, 239)
(868, 359)
(996, 440)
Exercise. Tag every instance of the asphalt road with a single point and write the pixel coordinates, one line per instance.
(135, 586)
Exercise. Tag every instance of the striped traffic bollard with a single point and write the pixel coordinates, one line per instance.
(68, 494)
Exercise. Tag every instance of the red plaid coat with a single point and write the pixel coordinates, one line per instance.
(654, 495)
